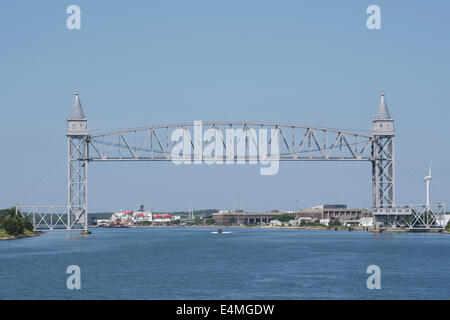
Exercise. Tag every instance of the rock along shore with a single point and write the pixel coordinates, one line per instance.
(21, 236)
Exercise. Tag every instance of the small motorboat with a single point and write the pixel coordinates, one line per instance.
(220, 231)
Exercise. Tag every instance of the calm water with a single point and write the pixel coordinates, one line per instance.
(244, 264)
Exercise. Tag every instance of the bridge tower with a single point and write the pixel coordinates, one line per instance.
(383, 174)
(77, 142)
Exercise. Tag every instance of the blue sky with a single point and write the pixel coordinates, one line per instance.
(139, 63)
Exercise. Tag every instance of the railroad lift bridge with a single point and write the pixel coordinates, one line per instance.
(296, 143)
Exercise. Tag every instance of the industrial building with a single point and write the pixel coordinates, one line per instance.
(338, 211)
(241, 217)
(326, 211)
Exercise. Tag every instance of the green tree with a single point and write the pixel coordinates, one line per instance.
(317, 223)
(447, 228)
(28, 224)
(14, 225)
(334, 223)
(5, 213)
(284, 217)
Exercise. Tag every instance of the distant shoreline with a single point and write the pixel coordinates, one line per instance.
(285, 228)
(237, 227)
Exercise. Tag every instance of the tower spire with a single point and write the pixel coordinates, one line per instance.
(383, 122)
(383, 111)
(77, 122)
(77, 110)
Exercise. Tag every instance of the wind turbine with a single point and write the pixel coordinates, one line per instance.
(427, 179)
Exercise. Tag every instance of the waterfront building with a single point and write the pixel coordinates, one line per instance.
(121, 216)
(350, 223)
(246, 218)
(101, 222)
(366, 222)
(164, 218)
(142, 216)
(338, 211)
(300, 220)
(276, 223)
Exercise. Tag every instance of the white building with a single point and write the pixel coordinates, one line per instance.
(298, 221)
(366, 222)
(122, 216)
(363, 222)
(306, 219)
(142, 216)
(350, 223)
(276, 223)
(101, 222)
(165, 218)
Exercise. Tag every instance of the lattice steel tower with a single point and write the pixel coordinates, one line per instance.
(383, 177)
(77, 138)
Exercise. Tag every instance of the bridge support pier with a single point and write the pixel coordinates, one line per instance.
(77, 184)
(383, 176)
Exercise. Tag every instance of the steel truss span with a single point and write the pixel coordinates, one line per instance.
(412, 217)
(296, 143)
(230, 142)
(49, 217)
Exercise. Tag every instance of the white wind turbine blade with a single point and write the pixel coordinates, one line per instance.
(429, 171)
(429, 174)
